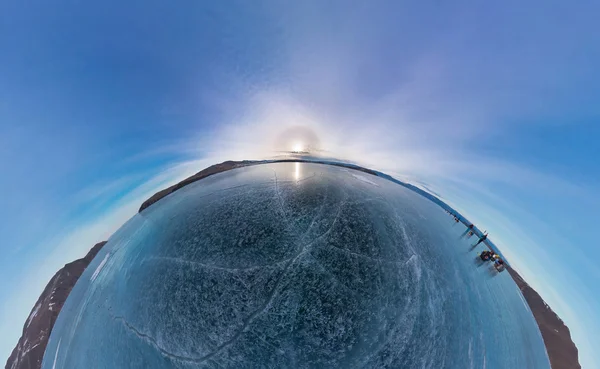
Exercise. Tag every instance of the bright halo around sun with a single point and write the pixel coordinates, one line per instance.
(298, 147)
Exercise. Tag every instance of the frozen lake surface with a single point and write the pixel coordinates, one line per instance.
(293, 265)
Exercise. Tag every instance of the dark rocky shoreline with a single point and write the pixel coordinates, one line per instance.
(561, 350)
(28, 353)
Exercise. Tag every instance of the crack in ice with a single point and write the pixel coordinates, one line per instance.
(393, 262)
(152, 341)
(333, 277)
(270, 297)
(250, 319)
(217, 267)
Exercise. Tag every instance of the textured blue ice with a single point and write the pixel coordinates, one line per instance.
(293, 266)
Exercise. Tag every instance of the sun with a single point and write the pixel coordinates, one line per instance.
(298, 147)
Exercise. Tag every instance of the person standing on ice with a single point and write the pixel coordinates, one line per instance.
(481, 239)
(469, 229)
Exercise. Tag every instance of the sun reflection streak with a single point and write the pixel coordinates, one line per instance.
(297, 171)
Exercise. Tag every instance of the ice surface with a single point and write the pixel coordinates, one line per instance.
(292, 266)
(56, 355)
(364, 179)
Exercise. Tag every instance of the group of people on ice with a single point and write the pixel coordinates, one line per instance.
(494, 258)
(486, 255)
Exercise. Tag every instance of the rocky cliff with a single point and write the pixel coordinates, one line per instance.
(562, 351)
(29, 352)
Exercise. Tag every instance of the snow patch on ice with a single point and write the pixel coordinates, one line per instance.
(414, 260)
(99, 268)
(411, 258)
(523, 299)
(364, 179)
(472, 364)
(56, 354)
(407, 240)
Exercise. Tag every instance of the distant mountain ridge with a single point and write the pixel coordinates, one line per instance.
(28, 353)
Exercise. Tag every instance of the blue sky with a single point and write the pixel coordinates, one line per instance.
(493, 105)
